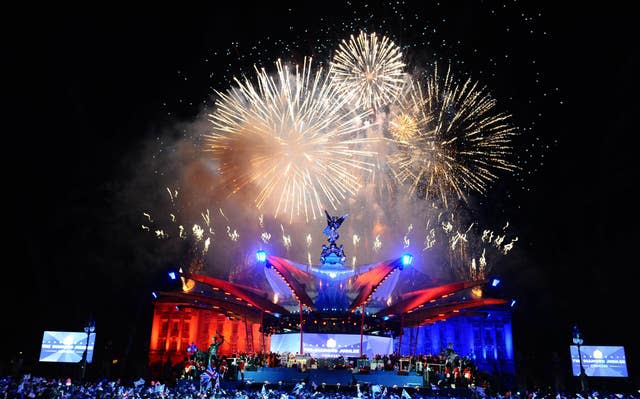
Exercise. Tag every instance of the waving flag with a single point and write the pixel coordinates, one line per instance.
(208, 375)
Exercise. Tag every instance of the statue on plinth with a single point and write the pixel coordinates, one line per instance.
(331, 231)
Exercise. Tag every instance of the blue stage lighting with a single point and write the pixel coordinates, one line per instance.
(154, 295)
(385, 318)
(407, 259)
(513, 302)
(495, 282)
(173, 275)
(261, 256)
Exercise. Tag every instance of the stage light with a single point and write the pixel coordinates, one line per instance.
(154, 295)
(407, 259)
(173, 275)
(385, 318)
(513, 302)
(261, 256)
(495, 282)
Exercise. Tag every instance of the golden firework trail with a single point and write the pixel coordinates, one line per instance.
(509, 246)
(371, 67)
(286, 239)
(290, 138)
(406, 240)
(206, 216)
(265, 237)
(233, 235)
(356, 240)
(198, 232)
(377, 244)
(429, 239)
(448, 138)
(223, 215)
(172, 194)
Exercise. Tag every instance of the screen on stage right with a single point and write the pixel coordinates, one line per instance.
(599, 361)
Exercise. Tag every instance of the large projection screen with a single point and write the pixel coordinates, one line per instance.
(66, 346)
(332, 345)
(599, 361)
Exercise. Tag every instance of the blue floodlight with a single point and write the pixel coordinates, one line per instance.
(495, 282)
(513, 302)
(261, 256)
(385, 318)
(173, 275)
(407, 259)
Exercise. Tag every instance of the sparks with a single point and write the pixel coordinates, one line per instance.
(377, 244)
(290, 140)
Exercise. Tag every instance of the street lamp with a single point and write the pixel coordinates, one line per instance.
(89, 329)
(577, 339)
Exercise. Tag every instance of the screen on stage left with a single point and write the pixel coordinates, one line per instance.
(332, 345)
(599, 361)
(66, 347)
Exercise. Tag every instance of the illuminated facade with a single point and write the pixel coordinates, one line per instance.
(176, 326)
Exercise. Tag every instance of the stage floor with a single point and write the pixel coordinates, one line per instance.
(343, 377)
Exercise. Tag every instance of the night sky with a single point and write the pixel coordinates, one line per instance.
(94, 93)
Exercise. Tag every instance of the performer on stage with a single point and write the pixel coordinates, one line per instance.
(213, 348)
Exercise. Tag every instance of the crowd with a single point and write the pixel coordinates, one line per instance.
(28, 387)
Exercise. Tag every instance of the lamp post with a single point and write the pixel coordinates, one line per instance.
(89, 329)
(577, 339)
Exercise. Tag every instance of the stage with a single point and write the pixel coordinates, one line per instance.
(330, 310)
(333, 377)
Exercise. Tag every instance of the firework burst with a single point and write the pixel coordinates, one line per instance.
(371, 67)
(290, 139)
(448, 138)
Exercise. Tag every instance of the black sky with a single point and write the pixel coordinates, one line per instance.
(90, 90)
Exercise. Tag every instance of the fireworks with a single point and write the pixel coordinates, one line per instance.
(289, 144)
(468, 247)
(371, 67)
(449, 140)
(290, 139)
